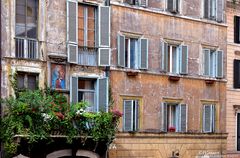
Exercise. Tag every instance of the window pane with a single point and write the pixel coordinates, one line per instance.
(88, 97)
(32, 32)
(32, 82)
(86, 84)
(174, 60)
(20, 10)
(20, 81)
(91, 26)
(133, 50)
(20, 30)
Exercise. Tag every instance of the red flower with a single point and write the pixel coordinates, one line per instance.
(117, 113)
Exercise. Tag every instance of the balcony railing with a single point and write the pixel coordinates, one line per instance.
(26, 48)
(87, 56)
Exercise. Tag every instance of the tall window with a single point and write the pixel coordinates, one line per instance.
(236, 29)
(173, 5)
(27, 80)
(26, 28)
(131, 53)
(130, 115)
(236, 75)
(209, 118)
(213, 9)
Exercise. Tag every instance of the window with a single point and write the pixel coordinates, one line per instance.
(236, 29)
(173, 5)
(174, 117)
(174, 58)
(27, 80)
(26, 28)
(213, 63)
(213, 9)
(208, 118)
(236, 75)
(88, 34)
(130, 115)
(92, 90)
(132, 52)
(142, 3)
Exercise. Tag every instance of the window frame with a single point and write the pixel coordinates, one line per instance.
(128, 62)
(237, 29)
(25, 79)
(177, 8)
(213, 117)
(134, 115)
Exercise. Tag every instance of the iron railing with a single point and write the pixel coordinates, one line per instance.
(26, 48)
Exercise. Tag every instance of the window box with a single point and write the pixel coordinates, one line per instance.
(171, 129)
(209, 82)
(132, 73)
(173, 78)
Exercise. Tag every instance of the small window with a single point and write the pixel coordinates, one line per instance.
(236, 29)
(27, 80)
(142, 3)
(173, 6)
(214, 9)
(208, 118)
(131, 115)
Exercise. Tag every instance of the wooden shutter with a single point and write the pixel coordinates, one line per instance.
(104, 55)
(170, 5)
(184, 59)
(164, 117)
(206, 8)
(213, 117)
(183, 118)
(164, 56)
(206, 62)
(103, 94)
(74, 90)
(128, 115)
(207, 118)
(72, 31)
(236, 29)
(104, 26)
(143, 3)
(220, 8)
(144, 53)
(236, 74)
(136, 118)
(219, 66)
(121, 50)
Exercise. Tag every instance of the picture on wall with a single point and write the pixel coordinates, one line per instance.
(58, 76)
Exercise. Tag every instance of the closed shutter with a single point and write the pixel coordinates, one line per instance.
(74, 90)
(104, 24)
(236, 29)
(207, 118)
(220, 7)
(103, 94)
(164, 56)
(136, 118)
(170, 5)
(206, 8)
(128, 115)
(219, 64)
(213, 118)
(143, 3)
(236, 73)
(121, 50)
(183, 118)
(144, 53)
(72, 33)
(164, 117)
(206, 62)
(184, 60)
(104, 56)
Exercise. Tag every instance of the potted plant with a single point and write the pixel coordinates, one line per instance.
(171, 129)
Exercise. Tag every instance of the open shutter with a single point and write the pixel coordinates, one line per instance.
(206, 8)
(74, 90)
(144, 53)
(104, 56)
(164, 56)
(207, 118)
(164, 117)
(72, 31)
(121, 50)
(236, 29)
(170, 5)
(143, 3)
(136, 127)
(183, 118)
(184, 60)
(220, 7)
(213, 117)
(103, 94)
(219, 66)
(236, 74)
(206, 62)
(128, 115)
(104, 26)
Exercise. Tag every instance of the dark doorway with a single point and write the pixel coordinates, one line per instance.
(238, 132)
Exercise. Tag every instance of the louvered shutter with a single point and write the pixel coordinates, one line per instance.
(184, 59)
(213, 117)
(104, 55)
(183, 118)
(236, 73)
(121, 50)
(206, 62)
(164, 117)
(104, 26)
(128, 115)
(103, 94)
(219, 64)
(236, 29)
(74, 90)
(206, 8)
(143, 3)
(144, 53)
(207, 118)
(72, 33)
(164, 56)
(220, 7)
(170, 5)
(136, 127)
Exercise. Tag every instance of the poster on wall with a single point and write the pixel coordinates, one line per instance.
(58, 76)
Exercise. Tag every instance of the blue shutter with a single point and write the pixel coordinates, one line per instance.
(103, 94)
(183, 118)
(206, 62)
(184, 59)
(164, 51)
(136, 128)
(220, 8)
(121, 50)
(207, 118)
(74, 90)
(128, 115)
(144, 53)
(164, 117)
(104, 56)
(219, 67)
(104, 26)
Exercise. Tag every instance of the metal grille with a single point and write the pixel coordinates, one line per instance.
(26, 48)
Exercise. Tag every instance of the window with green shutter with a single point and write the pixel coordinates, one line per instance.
(173, 6)
(213, 10)
(209, 118)
(130, 115)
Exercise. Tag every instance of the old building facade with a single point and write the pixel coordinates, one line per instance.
(163, 61)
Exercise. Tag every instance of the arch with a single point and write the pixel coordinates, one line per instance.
(60, 153)
(87, 153)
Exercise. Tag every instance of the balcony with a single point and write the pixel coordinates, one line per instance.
(26, 48)
(87, 56)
